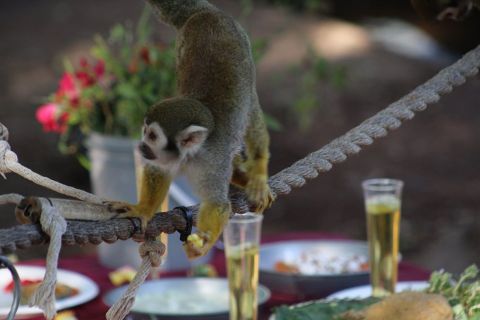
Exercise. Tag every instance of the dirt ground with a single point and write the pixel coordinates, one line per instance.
(436, 154)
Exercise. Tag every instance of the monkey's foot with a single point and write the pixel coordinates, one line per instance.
(28, 210)
(259, 193)
(119, 207)
(197, 245)
(211, 218)
(127, 210)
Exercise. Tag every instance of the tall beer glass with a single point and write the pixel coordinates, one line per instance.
(242, 239)
(382, 204)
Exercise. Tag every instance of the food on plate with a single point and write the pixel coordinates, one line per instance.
(66, 315)
(203, 270)
(447, 297)
(29, 286)
(122, 275)
(317, 261)
(405, 306)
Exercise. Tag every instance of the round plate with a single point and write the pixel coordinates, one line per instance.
(87, 290)
(183, 291)
(362, 292)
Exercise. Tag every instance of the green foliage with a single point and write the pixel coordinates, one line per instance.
(463, 293)
(321, 310)
(318, 73)
(110, 90)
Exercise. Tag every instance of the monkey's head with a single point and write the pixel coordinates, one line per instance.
(174, 130)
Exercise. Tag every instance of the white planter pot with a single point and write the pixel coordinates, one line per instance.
(112, 176)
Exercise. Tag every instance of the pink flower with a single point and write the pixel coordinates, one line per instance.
(46, 115)
(67, 86)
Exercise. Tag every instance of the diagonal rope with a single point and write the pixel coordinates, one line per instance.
(281, 183)
(377, 126)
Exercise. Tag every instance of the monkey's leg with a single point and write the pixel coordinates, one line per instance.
(257, 143)
(239, 176)
(210, 178)
(154, 185)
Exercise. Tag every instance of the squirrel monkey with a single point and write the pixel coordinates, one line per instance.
(202, 131)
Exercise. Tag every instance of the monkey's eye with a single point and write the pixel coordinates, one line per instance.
(152, 136)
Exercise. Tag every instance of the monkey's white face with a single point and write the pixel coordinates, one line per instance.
(166, 151)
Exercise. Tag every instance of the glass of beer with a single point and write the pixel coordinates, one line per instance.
(241, 238)
(382, 204)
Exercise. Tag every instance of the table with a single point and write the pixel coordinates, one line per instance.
(90, 267)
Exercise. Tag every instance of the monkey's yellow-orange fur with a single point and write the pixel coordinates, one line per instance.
(202, 131)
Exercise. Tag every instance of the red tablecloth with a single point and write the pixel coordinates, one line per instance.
(95, 309)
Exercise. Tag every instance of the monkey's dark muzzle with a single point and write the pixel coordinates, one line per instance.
(146, 151)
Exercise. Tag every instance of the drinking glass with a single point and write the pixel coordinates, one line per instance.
(241, 238)
(382, 205)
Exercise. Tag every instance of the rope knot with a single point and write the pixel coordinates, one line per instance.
(154, 249)
(51, 219)
(6, 156)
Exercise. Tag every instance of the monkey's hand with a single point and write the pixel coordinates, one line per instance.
(211, 220)
(258, 191)
(127, 210)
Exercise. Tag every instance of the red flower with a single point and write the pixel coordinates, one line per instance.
(99, 68)
(84, 78)
(83, 62)
(46, 115)
(145, 55)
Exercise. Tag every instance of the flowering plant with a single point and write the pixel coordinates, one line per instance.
(110, 91)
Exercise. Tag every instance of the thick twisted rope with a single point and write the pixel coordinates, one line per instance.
(377, 126)
(151, 252)
(9, 163)
(281, 183)
(55, 226)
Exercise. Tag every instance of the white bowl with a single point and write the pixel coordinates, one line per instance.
(311, 286)
(182, 291)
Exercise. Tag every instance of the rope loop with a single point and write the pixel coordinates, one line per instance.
(6, 155)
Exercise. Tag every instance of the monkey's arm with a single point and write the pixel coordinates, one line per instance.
(154, 184)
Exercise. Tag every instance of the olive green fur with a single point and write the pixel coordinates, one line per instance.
(179, 113)
(217, 90)
(177, 12)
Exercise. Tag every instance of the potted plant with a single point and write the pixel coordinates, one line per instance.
(99, 105)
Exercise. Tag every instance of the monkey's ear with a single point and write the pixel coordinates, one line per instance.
(192, 138)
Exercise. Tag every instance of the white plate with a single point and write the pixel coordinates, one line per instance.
(366, 290)
(87, 290)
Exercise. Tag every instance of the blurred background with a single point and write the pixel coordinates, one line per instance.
(323, 67)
